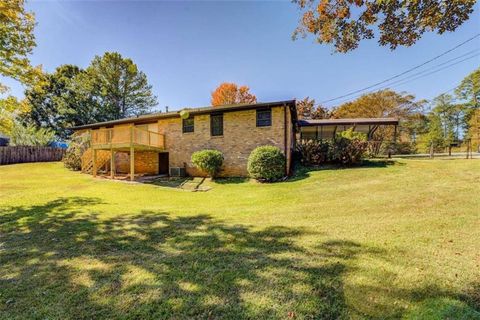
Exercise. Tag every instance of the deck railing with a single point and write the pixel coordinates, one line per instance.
(127, 136)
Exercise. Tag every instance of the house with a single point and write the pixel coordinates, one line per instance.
(162, 143)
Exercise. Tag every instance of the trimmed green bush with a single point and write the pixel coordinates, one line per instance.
(266, 163)
(209, 161)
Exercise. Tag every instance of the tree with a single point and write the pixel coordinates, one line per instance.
(307, 109)
(344, 23)
(382, 104)
(231, 93)
(25, 134)
(16, 41)
(435, 135)
(474, 129)
(447, 113)
(118, 86)
(469, 91)
(10, 109)
(57, 103)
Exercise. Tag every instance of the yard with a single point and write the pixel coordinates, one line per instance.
(388, 240)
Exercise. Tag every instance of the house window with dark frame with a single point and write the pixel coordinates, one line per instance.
(216, 124)
(264, 117)
(188, 125)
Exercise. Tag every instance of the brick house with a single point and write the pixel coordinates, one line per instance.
(162, 143)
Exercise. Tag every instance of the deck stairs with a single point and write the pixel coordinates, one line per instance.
(103, 160)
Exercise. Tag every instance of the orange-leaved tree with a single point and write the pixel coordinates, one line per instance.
(231, 93)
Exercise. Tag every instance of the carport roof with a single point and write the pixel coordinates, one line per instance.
(348, 121)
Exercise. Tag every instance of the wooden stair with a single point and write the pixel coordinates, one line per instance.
(103, 159)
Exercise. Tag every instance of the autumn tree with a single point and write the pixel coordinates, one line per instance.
(230, 93)
(344, 23)
(16, 41)
(383, 104)
(380, 104)
(307, 109)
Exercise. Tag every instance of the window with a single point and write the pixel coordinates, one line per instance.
(188, 125)
(264, 117)
(216, 124)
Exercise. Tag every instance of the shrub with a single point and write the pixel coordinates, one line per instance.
(266, 163)
(209, 161)
(349, 147)
(73, 156)
(313, 152)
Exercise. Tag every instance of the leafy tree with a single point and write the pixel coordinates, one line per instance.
(445, 110)
(10, 109)
(385, 103)
(469, 91)
(231, 93)
(344, 23)
(474, 129)
(118, 86)
(307, 109)
(57, 103)
(29, 135)
(16, 41)
(435, 135)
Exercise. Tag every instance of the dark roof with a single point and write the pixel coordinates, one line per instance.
(148, 118)
(349, 121)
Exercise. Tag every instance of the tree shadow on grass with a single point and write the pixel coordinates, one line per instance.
(61, 261)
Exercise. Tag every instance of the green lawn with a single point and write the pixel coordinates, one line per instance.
(397, 240)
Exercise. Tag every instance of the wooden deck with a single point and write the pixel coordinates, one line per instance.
(124, 138)
(127, 139)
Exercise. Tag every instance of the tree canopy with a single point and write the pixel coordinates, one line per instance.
(231, 93)
(119, 86)
(111, 88)
(16, 41)
(469, 92)
(57, 104)
(307, 109)
(345, 23)
(380, 104)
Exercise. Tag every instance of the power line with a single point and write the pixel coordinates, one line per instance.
(405, 72)
(418, 75)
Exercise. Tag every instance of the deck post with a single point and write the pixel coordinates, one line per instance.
(132, 154)
(112, 163)
(94, 169)
(132, 163)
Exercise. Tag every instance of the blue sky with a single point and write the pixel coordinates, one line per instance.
(188, 48)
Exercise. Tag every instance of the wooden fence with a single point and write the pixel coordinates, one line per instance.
(20, 154)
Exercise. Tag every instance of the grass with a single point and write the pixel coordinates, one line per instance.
(389, 240)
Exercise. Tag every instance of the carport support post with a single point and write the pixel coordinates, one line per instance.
(112, 163)
(94, 168)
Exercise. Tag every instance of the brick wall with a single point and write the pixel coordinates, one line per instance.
(240, 137)
(145, 162)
